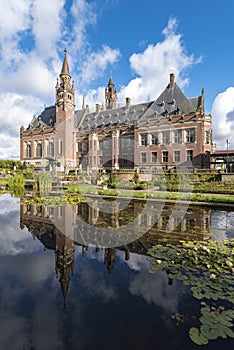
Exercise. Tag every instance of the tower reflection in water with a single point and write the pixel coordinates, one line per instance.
(61, 228)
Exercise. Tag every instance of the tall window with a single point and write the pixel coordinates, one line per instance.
(207, 137)
(190, 135)
(165, 156)
(85, 146)
(79, 146)
(154, 139)
(177, 136)
(39, 150)
(28, 151)
(101, 145)
(154, 157)
(143, 139)
(100, 160)
(189, 155)
(165, 137)
(143, 157)
(50, 148)
(127, 142)
(176, 156)
(107, 144)
(125, 159)
(60, 146)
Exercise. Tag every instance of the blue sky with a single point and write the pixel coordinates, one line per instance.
(140, 42)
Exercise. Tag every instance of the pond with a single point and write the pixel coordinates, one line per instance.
(77, 277)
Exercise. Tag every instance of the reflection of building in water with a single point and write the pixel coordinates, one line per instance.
(64, 257)
(40, 221)
(58, 228)
(158, 220)
(109, 258)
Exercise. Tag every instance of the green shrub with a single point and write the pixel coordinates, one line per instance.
(16, 181)
(112, 181)
(43, 183)
(28, 175)
(142, 185)
(16, 185)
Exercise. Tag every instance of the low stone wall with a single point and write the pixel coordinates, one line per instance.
(129, 176)
(228, 178)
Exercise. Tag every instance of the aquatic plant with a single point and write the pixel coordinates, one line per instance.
(215, 322)
(54, 201)
(43, 183)
(208, 268)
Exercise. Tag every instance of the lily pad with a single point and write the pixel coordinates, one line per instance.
(197, 337)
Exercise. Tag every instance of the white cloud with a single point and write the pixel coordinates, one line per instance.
(93, 96)
(33, 34)
(97, 63)
(152, 287)
(47, 25)
(223, 118)
(15, 17)
(83, 14)
(16, 110)
(15, 241)
(154, 65)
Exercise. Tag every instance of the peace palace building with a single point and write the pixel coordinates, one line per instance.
(170, 132)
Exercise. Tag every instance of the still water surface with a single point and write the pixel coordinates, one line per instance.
(77, 277)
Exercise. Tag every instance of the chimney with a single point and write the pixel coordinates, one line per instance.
(172, 79)
(128, 102)
(83, 104)
(87, 108)
(98, 107)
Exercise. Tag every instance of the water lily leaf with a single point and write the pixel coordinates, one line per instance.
(230, 333)
(197, 337)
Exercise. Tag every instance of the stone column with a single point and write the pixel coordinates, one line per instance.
(115, 149)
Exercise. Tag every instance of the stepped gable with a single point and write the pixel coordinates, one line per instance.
(113, 117)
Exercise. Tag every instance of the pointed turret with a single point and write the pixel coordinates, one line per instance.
(64, 257)
(110, 94)
(64, 282)
(109, 259)
(202, 101)
(65, 92)
(65, 67)
(110, 81)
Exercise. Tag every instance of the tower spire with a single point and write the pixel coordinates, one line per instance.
(65, 91)
(110, 94)
(65, 67)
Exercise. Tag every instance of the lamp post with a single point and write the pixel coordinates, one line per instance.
(227, 165)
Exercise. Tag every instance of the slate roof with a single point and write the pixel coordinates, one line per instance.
(172, 101)
(111, 117)
(46, 118)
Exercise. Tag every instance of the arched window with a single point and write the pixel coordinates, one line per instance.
(28, 151)
(39, 150)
